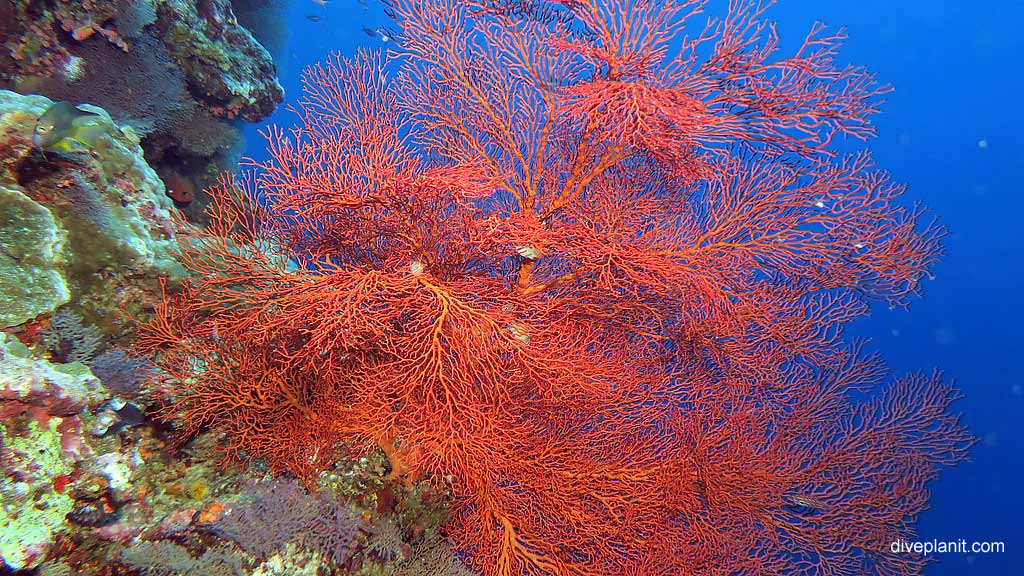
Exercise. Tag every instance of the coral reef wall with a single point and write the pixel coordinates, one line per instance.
(70, 223)
(182, 73)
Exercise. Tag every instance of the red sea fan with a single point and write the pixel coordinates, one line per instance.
(591, 275)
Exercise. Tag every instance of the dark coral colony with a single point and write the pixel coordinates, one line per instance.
(530, 287)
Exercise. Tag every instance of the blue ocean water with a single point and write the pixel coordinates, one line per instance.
(953, 133)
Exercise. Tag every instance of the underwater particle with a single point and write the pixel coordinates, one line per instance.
(983, 143)
(1017, 390)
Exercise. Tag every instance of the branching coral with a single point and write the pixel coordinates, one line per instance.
(590, 282)
(279, 513)
(119, 371)
(69, 340)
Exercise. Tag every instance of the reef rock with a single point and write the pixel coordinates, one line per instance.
(226, 68)
(52, 475)
(72, 221)
(31, 243)
(33, 511)
(58, 389)
(181, 73)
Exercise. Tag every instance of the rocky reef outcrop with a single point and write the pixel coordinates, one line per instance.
(182, 73)
(91, 225)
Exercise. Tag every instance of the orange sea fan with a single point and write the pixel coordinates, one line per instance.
(592, 287)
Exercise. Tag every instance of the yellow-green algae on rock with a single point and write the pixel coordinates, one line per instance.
(32, 452)
(32, 511)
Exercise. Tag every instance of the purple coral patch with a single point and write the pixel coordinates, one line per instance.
(278, 512)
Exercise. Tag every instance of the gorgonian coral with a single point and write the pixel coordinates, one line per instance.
(278, 513)
(590, 274)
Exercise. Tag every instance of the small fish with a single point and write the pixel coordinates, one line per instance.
(64, 126)
(93, 514)
(518, 331)
(529, 252)
(803, 505)
(117, 415)
(130, 415)
(313, 17)
(382, 32)
(320, 2)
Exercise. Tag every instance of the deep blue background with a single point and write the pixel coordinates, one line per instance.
(952, 130)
